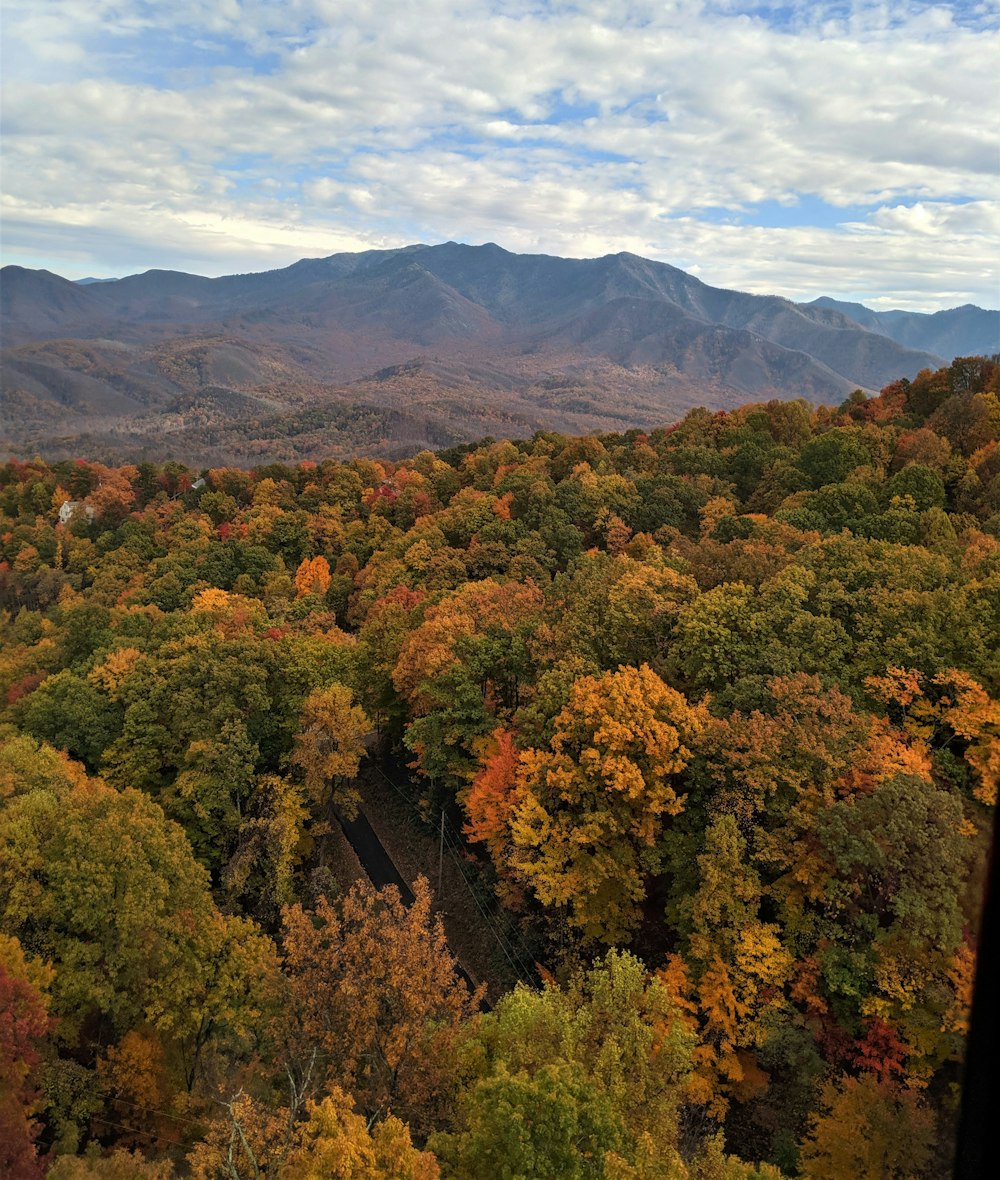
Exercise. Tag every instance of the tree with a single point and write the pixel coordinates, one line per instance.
(116, 1165)
(522, 1127)
(338, 1144)
(134, 1079)
(261, 871)
(324, 1140)
(375, 988)
(588, 809)
(802, 740)
(950, 709)
(867, 1130)
(464, 668)
(71, 714)
(330, 745)
(313, 576)
(101, 884)
(734, 636)
(27, 766)
(213, 791)
(830, 457)
(114, 494)
(616, 610)
(24, 1026)
(497, 621)
(560, 1078)
(187, 689)
(490, 799)
(898, 859)
(738, 969)
(923, 485)
(386, 626)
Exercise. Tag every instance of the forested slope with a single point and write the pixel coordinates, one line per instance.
(716, 705)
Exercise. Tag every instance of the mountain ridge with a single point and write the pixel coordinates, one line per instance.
(963, 330)
(647, 337)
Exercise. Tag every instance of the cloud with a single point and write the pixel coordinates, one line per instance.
(237, 135)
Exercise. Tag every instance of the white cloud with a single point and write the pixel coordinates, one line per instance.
(270, 131)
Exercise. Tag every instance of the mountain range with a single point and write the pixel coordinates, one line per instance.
(388, 351)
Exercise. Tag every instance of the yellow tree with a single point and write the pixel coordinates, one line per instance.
(951, 710)
(117, 1165)
(261, 871)
(336, 1142)
(332, 1142)
(587, 809)
(734, 974)
(330, 745)
(868, 1130)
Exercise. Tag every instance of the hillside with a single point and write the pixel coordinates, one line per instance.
(693, 732)
(221, 369)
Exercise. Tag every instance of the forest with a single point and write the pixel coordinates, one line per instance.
(715, 708)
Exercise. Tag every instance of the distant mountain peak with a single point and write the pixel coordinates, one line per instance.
(955, 331)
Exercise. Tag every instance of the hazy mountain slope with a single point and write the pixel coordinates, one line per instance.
(502, 343)
(39, 305)
(533, 289)
(632, 332)
(958, 331)
(434, 295)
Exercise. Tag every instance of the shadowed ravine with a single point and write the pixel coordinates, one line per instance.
(382, 872)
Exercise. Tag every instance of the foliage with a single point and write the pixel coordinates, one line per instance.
(374, 987)
(867, 1130)
(336, 1142)
(563, 1077)
(24, 1024)
(726, 692)
(330, 1141)
(330, 745)
(101, 885)
(584, 811)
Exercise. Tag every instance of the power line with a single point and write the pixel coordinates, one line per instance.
(501, 942)
(457, 855)
(484, 913)
(457, 851)
(458, 858)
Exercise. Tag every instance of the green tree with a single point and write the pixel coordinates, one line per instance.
(99, 883)
(551, 1123)
(561, 1077)
(73, 715)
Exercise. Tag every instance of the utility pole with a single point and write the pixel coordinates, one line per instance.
(441, 858)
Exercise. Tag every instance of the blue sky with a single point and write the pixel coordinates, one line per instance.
(838, 147)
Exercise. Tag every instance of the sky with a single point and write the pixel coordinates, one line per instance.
(815, 147)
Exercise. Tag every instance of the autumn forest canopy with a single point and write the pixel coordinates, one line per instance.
(713, 707)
